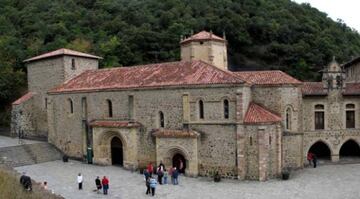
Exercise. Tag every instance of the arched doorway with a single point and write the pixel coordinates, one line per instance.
(350, 149)
(116, 151)
(321, 150)
(179, 162)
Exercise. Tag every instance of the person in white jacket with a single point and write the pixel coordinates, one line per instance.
(80, 180)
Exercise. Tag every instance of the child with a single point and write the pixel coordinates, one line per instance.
(105, 185)
(165, 176)
(153, 185)
(80, 180)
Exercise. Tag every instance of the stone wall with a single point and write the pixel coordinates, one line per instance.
(22, 119)
(353, 73)
(217, 150)
(147, 104)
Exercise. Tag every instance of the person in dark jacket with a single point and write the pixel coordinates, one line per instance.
(26, 182)
(314, 160)
(160, 174)
(147, 183)
(175, 175)
(98, 184)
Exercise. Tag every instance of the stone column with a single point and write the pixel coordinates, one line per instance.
(239, 107)
(186, 108)
(241, 152)
(263, 144)
(335, 158)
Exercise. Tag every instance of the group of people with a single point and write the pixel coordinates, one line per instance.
(312, 159)
(162, 176)
(100, 184)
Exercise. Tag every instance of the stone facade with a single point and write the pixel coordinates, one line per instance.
(241, 125)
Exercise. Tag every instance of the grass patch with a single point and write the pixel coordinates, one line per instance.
(10, 187)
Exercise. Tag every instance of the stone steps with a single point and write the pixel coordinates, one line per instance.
(28, 154)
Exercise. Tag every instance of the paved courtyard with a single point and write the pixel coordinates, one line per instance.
(328, 181)
(6, 141)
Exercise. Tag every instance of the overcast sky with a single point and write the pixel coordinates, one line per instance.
(347, 10)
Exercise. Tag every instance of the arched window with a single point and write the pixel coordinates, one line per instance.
(288, 119)
(201, 109)
(251, 141)
(110, 110)
(161, 119)
(350, 115)
(226, 109)
(71, 106)
(319, 117)
(83, 107)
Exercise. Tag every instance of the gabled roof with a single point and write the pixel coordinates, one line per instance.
(62, 51)
(257, 114)
(114, 124)
(352, 62)
(169, 133)
(183, 73)
(273, 77)
(203, 36)
(352, 89)
(24, 98)
(313, 89)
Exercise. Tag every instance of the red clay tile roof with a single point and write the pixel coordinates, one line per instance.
(352, 89)
(273, 77)
(168, 133)
(23, 98)
(313, 88)
(258, 114)
(183, 73)
(203, 36)
(114, 124)
(62, 51)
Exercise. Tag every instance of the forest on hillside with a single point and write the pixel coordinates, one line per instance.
(261, 34)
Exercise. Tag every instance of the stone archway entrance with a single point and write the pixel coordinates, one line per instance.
(179, 162)
(117, 157)
(350, 149)
(321, 150)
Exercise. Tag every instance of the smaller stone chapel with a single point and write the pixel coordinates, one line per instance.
(244, 125)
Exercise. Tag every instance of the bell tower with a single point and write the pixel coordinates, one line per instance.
(333, 76)
(207, 47)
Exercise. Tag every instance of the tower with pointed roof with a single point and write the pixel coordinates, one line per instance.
(207, 47)
(333, 76)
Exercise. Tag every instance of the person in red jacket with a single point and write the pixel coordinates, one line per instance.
(310, 157)
(150, 169)
(105, 185)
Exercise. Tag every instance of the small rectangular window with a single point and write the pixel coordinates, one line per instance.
(350, 119)
(73, 66)
(46, 101)
(319, 120)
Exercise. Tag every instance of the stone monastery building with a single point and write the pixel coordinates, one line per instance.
(247, 125)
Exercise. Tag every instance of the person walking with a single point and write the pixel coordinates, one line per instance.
(80, 180)
(98, 184)
(146, 174)
(310, 158)
(153, 185)
(147, 183)
(105, 185)
(165, 176)
(314, 159)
